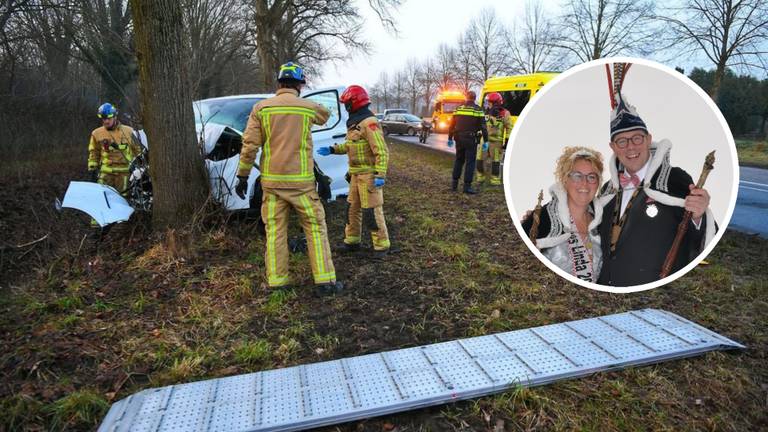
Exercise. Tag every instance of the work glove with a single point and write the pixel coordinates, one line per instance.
(242, 186)
(485, 146)
(93, 176)
(324, 151)
(450, 143)
(378, 181)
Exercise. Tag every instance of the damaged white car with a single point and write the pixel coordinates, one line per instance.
(220, 123)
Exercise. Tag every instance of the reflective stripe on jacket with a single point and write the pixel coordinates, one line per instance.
(282, 127)
(366, 148)
(499, 127)
(111, 151)
(468, 119)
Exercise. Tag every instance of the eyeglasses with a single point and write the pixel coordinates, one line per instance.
(578, 177)
(624, 142)
(105, 116)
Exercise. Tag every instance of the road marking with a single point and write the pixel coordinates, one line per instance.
(754, 189)
(754, 183)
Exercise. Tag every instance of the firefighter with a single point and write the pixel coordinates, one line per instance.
(467, 122)
(499, 123)
(281, 127)
(111, 149)
(368, 160)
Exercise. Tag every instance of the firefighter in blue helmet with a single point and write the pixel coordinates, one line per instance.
(467, 122)
(111, 149)
(281, 127)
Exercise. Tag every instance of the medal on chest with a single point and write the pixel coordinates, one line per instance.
(651, 210)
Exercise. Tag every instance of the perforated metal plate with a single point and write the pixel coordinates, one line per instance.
(366, 386)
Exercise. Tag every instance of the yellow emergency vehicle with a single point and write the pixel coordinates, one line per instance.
(516, 90)
(445, 104)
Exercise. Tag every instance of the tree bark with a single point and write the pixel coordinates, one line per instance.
(178, 176)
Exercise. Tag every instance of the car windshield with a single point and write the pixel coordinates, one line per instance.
(411, 118)
(229, 112)
(449, 107)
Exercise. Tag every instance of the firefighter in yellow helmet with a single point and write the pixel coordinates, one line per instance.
(499, 122)
(281, 127)
(368, 160)
(111, 149)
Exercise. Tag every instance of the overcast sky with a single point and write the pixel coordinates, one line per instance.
(423, 25)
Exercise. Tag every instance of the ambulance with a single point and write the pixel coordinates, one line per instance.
(445, 104)
(516, 90)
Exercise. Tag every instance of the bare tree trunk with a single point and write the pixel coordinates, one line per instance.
(178, 176)
(714, 92)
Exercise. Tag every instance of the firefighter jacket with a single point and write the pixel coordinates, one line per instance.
(282, 127)
(365, 147)
(467, 121)
(112, 151)
(499, 125)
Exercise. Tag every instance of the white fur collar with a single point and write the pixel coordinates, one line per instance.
(560, 216)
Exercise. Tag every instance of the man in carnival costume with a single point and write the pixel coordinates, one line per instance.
(646, 200)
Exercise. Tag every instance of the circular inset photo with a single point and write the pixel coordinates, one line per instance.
(621, 174)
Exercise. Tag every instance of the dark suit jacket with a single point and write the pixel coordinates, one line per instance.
(646, 238)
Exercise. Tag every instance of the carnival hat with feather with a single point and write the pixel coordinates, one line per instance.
(624, 117)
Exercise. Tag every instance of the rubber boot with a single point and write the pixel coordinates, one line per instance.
(347, 248)
(468, 189)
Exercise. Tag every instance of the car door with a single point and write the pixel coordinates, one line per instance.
(332, 132)
(397, 125)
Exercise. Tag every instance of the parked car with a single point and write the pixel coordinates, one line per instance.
(379, 117)
(401, 124)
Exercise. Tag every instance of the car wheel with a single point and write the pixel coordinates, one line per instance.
(411, 131)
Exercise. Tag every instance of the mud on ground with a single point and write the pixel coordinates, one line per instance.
(87, 323)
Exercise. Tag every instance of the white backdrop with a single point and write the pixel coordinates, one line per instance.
(575, 110)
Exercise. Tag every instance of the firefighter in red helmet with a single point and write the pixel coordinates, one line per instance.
(499, 122)
(368, 160)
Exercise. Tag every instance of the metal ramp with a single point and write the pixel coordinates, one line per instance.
(354, 388)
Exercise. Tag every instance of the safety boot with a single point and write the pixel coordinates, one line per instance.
(348, 247)
(468, 189)
(480, 177)
(380, 254)
(330, 288)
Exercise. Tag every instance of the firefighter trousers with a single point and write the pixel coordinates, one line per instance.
(366, 206)
(492, 158)
(466, 154)
(118, 180)
(275, 209)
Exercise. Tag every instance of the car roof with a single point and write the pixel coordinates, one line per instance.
(305, 91)
(242, 96)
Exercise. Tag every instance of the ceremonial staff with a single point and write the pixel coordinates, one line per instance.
(709, 165)
(536, 219)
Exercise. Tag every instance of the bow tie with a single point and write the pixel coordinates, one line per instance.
(625, 180)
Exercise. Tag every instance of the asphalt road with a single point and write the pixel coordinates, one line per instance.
(751, 212)
(435, 141)
(749, 216)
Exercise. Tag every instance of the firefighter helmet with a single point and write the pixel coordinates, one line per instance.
(494, 98)
(106, 111)
(355, 98)
(291, 72)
